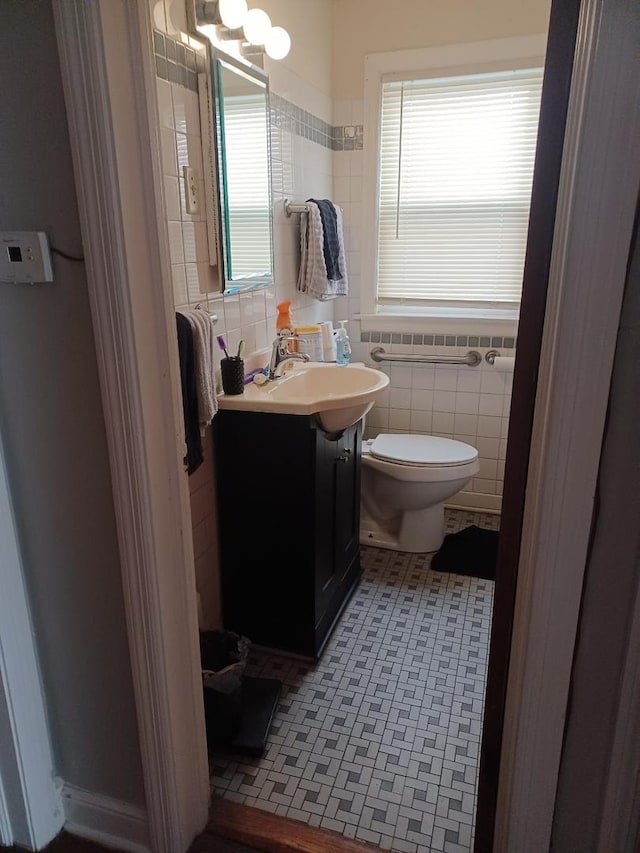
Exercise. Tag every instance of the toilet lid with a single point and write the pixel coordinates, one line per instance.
(428, 450)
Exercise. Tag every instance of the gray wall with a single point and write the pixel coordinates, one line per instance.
(52, 429)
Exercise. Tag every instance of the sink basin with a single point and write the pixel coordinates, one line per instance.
(339, 396)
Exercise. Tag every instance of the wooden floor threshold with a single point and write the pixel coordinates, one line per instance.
(262, 830)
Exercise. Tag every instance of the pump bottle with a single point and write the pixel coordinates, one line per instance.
(343, 345)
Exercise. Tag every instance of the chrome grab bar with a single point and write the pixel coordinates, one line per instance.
(472, 358)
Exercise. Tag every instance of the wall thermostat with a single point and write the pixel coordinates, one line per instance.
(24, 257)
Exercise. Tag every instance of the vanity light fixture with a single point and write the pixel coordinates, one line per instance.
(278, 43)
(232, 13)
(231, 20)
(256, 26)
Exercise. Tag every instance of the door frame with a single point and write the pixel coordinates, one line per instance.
(31, 811)
(110, 96)
(534, 635)
(108, 74)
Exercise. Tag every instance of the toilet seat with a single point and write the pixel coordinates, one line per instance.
(423, 451)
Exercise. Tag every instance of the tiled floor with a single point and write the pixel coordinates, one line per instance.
(380, 740)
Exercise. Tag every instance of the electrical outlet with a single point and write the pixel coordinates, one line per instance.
(192, 202)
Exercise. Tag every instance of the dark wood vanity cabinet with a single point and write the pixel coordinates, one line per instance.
(289, 517)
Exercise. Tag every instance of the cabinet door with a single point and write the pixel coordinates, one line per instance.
(338, 517)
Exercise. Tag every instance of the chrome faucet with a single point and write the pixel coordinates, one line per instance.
(280, 355)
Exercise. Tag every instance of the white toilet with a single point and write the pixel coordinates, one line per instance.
(405, 481)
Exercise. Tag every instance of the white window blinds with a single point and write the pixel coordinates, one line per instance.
(456, 168)
(246, 185)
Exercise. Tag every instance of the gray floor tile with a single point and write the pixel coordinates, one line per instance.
(380, 740)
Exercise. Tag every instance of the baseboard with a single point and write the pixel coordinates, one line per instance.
(474, 501)
(105, 820)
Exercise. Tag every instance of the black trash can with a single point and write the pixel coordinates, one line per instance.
(223, 655)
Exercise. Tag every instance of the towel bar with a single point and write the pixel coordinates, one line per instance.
(472, 358)
(212, 317)
(291, 207)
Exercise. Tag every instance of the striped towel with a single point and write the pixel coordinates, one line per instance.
(314, 277)
(203, 344)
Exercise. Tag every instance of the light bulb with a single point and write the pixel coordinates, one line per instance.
(256, 26)
(232, 13)
(278, 43)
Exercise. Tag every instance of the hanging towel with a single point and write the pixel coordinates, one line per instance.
(331, 243)
(186, 352)
(313, 277)
(202, 329)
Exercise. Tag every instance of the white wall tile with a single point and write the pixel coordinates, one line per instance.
(179, 280)
(165, 103)
(467, 403)
(232, 311)
(400, 376)
(399, 419)
(246, 309)
(465, 424)
(400, 398)
(443, 423)
(189, 242)
(176, 248)
(488, 447)
(489, 427)
(492, 382)
(172, 198)
(444, 401)
(421, 421)
(490, 404)
(469, 379)
(488, 469)
(423, 377)
(422, 400)
(445, 379)
(168, 152)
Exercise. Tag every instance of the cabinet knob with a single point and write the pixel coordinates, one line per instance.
(344, 457)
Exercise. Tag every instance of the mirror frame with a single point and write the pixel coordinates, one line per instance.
(229, 285)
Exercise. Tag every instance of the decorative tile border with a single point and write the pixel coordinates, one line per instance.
(437, 340)
(288, 116)
(348, 137)
(178, 63)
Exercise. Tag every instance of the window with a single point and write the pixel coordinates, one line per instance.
(455, 173)
(247, 185)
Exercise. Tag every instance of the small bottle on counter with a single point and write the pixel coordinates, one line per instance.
(343, 345)
(284, 323)
(309, 341)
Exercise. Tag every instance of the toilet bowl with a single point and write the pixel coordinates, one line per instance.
(405, 481)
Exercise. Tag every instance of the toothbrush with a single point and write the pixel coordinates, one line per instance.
(240, 349)
(222, 345)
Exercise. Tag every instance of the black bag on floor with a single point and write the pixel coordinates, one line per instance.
(223, 656)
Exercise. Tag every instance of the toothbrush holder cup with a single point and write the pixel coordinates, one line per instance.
(232, 370)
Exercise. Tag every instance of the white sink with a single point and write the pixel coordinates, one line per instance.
(339, 396)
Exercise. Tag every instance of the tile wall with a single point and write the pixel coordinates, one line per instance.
(302, 145)
(301, 167)
(470, 404)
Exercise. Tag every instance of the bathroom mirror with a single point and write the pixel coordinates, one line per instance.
(241, 142)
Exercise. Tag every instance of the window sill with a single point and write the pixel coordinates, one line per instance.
(453, 321)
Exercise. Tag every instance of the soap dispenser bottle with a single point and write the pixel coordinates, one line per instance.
(343, 345)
